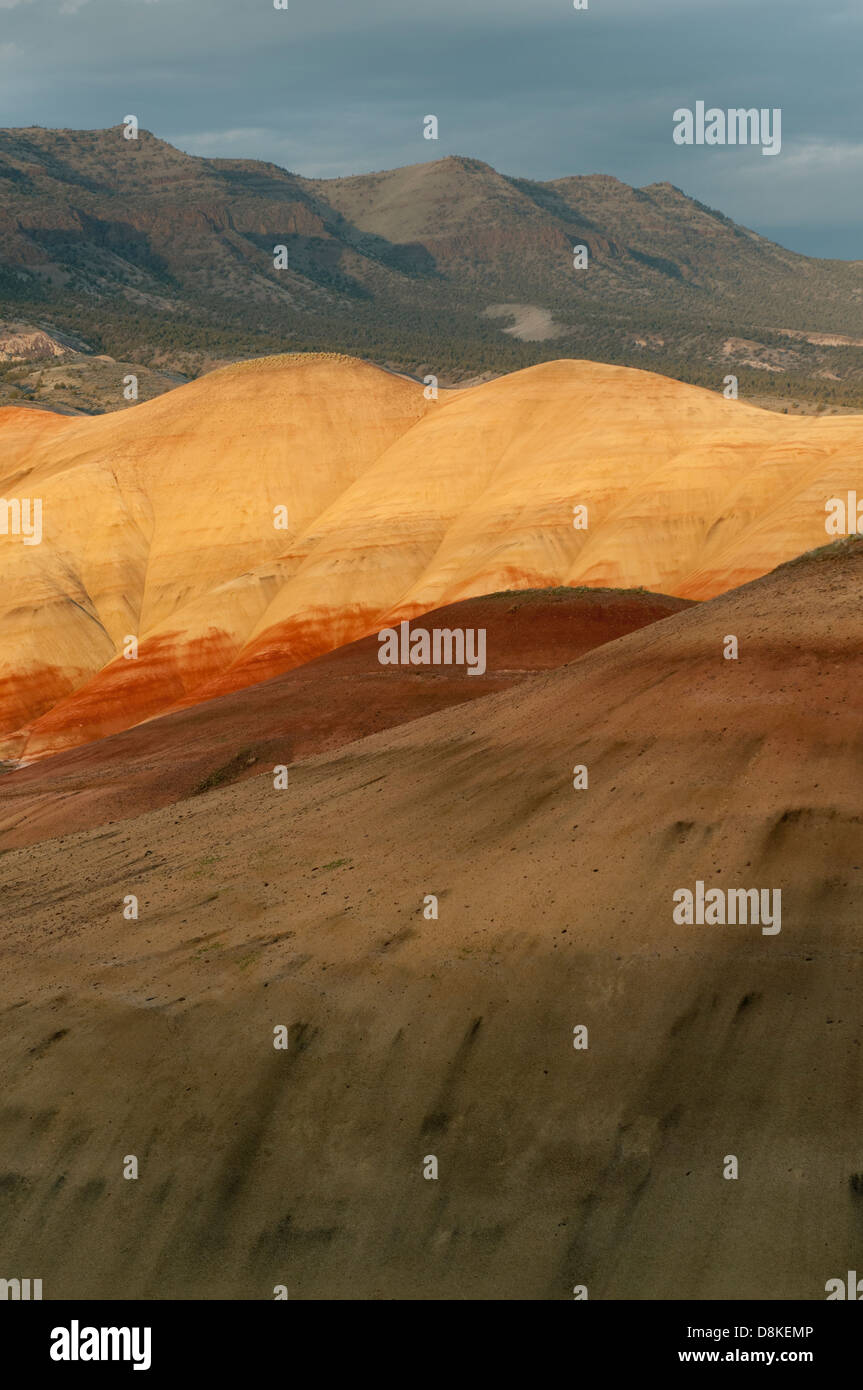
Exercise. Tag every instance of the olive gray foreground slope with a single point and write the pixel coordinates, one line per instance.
(454, 1038)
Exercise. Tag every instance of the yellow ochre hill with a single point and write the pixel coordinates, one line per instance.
(158, 522)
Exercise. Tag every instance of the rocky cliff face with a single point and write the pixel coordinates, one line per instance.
(25, 347)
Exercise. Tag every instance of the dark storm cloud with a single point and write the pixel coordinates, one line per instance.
(532, 86)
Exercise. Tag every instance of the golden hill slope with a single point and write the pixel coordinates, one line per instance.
(158, 522)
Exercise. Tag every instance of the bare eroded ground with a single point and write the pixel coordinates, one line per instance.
(331, 701)
(453, 1037)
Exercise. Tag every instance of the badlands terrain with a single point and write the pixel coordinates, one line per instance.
(159, 522)
(328, 702)
(412, 1037)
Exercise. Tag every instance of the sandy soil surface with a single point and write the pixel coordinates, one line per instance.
(411, 1037)
(529, 322)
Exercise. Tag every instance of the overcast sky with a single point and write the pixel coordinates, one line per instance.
(533, 87)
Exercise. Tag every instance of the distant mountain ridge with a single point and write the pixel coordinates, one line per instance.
(166, 258)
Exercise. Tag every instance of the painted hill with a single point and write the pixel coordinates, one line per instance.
(411, 1036)
(323, 705)
(160, 257)
(159, 521)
